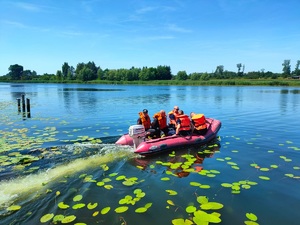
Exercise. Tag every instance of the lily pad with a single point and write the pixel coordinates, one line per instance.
(92, 205)
(62, 205)
(170, 202)
(128, 182)
(251, 216)
(95, 213)
(78, 206)
(68, 219)
(14, 208)
(121, 209)
(190, 209)
(141, 210)
(181, 221)
(204, 186)
(196, 184)
(264, 178)
(171, 192)
(148, 205)
(46, 217)
(105, 210)
(58, 218)
(77, 198)
(251, 223)
(226, 185)
(202, 199)
(211, 205)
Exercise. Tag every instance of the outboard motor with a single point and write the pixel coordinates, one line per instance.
(138, 134)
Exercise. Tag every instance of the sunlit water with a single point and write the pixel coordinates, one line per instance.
(257, 151)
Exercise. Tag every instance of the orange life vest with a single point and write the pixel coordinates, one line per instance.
(173, 121)
(162, 120)
(145, 120)
(185, 122)
(200, 121)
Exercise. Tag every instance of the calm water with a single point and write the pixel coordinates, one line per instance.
(253, 167)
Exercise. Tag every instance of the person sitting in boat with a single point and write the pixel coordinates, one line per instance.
(199, 126)
(159, 124)
(145, 120)
(173, 117)
(183, 124)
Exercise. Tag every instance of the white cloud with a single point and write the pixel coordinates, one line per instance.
(154, 38)
(14, 23)
(27, 6)
(174, 27)
(145, 10)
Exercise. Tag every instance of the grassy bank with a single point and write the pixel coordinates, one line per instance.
(216, 82)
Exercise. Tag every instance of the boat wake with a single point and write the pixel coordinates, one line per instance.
(14, 190)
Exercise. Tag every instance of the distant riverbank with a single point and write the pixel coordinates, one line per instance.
(215, 82)
(211, 82)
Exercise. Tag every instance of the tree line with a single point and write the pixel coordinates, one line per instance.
(90, 71)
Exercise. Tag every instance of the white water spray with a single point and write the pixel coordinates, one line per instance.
(12, 190)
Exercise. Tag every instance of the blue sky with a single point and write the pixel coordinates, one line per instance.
(189, 35)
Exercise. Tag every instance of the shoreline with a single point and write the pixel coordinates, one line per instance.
(211, 82)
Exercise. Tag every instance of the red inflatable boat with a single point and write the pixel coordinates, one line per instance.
(142, 146)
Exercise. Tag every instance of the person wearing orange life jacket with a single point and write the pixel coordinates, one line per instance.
(160, 123)
(172, 117)
(144, 119)
(199, 123)
(183, 124)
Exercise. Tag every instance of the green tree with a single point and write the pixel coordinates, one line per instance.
(163, 73)
(86, 74)
(271, 75)
(128, 75)
(34, 74)
(105, 76)
(111, 75)
(65, 70)
(297, 70)
(49, 77)
(79, 67)
(119, 75)
(254, 75)
(181, 75)
(205, 76)
(240, 66)
(92, 66)
(71, 73)
(26, 75)
(229, 74)
(195, 76)
(147, 74)
(286, 68)
(219, 71)
(15, 72)
(59, 75)
(133, 73)
(100, 74)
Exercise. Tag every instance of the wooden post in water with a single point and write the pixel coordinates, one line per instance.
(19, 104)
(28, 107)
(23, 105)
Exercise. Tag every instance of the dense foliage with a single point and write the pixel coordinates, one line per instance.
(89, 72)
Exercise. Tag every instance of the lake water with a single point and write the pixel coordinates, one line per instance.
(61, 165)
